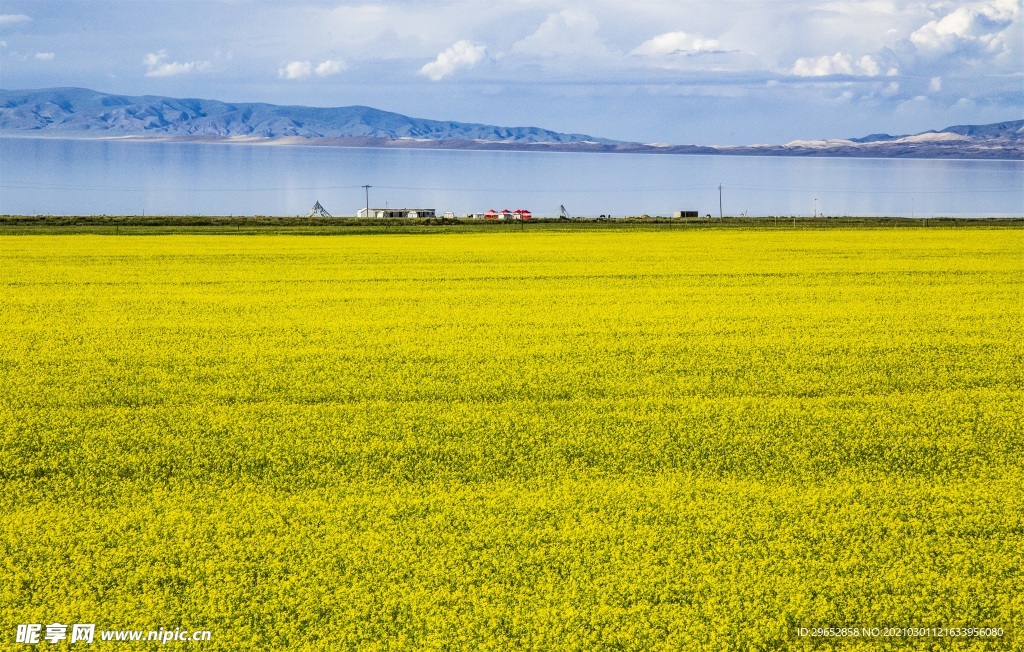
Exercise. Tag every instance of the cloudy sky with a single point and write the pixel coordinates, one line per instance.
(680, 71)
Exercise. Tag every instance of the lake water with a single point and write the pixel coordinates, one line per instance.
(84, 177)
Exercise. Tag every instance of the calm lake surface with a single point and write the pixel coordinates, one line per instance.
(84, 177)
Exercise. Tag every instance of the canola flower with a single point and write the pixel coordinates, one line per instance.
(561, 441)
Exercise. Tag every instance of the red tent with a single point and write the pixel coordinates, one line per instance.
(490, 214)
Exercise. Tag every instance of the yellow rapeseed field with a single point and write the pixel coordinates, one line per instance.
(698, 440)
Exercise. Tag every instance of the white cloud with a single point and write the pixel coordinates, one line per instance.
(869, 66)
(10, 19)
(976, 27)
(392, 31)
(674, 43)
(568, 32)
(305, 69)
(295, 70)
(462, 54)
(330, 67)
(157, 65)
(837, 64)
(935, 85)
(45, 56)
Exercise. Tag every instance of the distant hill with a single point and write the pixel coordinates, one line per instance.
(1013, 131)
(83, 113)
(79, 111)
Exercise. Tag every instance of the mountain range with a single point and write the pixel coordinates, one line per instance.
(83, 113)
(71, 111)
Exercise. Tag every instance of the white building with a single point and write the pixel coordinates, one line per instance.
(396, 212)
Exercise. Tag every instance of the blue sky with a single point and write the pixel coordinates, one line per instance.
(703, 72)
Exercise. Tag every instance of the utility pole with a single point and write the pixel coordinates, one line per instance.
(367, 189)
(720, 201)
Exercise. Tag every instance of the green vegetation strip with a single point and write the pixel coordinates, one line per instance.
(264, 225)
(696, 440)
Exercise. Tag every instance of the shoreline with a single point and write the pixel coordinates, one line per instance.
(928, 150)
